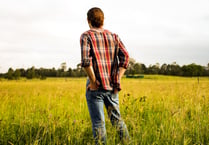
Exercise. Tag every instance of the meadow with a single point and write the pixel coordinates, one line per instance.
(157, 110)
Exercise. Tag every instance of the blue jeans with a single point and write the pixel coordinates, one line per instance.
(96, 100)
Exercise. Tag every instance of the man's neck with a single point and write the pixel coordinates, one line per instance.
(100, 29)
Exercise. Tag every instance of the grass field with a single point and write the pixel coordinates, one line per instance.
(156, 109)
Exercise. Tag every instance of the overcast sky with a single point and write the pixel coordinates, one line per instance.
(45, 33)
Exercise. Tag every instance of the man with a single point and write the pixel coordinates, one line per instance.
(105, 60)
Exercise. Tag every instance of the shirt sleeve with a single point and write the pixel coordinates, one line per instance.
(123, 55)
(86, 59)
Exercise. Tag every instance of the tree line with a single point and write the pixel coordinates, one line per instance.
(167, 69)
(134, 69)
(43, 73)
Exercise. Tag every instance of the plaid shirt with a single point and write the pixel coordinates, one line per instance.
(98, 50)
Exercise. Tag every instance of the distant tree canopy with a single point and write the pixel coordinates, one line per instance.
(135, 68)
(174, 69)
(43, 73)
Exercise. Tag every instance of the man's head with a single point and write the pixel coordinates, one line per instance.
(95, 17)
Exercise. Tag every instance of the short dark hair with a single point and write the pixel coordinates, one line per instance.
(96, 17)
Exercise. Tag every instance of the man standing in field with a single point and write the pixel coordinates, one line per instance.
(105, 60)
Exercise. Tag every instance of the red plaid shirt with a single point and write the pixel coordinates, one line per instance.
(98, 50)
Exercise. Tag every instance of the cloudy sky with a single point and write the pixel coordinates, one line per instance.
(45, 33)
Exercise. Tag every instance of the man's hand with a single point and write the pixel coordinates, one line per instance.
(121, 72)
(115, 91)
(93, 82)
(93, 85)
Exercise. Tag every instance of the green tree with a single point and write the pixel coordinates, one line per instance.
(17, 74)
(137, 68)
(143, 68)
(10, 74)
(30, 73)
(130, 70)
(192, 70)
(154, 69)
(175, 70)
(163, 69)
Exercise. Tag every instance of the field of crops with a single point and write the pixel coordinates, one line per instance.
(156, 109)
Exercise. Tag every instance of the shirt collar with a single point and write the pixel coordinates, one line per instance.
(97, 29)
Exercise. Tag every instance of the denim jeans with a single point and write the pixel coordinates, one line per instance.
(96, 101)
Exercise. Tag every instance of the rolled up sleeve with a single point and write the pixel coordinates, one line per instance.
(123, 55)
(86, 59)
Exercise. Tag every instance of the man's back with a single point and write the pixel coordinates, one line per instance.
(99, 49)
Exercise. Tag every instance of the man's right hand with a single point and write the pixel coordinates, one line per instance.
(93, 86)
(115, 91)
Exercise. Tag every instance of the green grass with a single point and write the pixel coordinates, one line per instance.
(156, 109)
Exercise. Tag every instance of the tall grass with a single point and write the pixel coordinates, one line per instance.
(156, 109)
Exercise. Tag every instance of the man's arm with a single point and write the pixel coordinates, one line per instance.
(93, 82)
(86, 61)
(121, 72)
(123, 63)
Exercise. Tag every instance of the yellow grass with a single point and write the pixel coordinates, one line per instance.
(156, 109)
